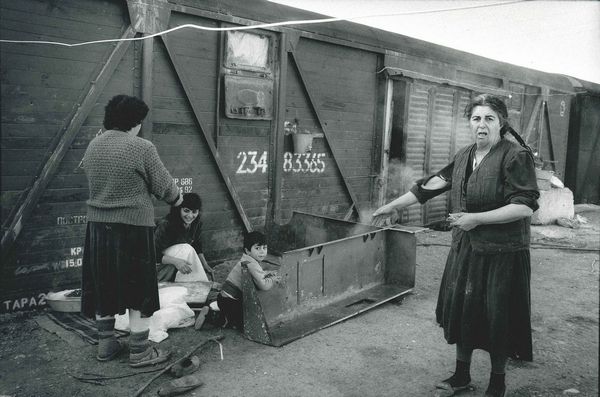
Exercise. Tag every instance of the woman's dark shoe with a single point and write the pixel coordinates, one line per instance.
(452, 385)
(496, 386)
(493, 392)
(185, 366)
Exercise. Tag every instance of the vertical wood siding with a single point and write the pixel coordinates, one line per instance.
(344, 86)
(179, 139)
(41, 88)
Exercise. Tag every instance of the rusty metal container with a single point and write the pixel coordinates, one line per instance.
(332, 270)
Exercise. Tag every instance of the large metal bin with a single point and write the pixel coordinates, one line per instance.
(332, 270)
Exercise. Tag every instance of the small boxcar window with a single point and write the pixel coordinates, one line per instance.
(247, 51)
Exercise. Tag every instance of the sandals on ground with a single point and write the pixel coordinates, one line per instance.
(445, 389)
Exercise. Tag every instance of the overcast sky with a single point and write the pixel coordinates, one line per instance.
(553, 36)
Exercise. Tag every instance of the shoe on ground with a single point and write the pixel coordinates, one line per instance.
(180, 385)
(119, 347)
(185, 367)
(493, 392)
(151, 356)
(445, 389)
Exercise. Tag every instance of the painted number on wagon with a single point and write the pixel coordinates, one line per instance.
(250, 164)
(185, 184)
(303, 162)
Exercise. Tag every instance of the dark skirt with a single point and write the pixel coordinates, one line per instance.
(484, 301)
(119, 270)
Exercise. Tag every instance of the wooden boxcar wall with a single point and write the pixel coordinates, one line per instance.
(247, 171)
(583, 173)
(330, 92)
(42, 88)
(335, 86)
(184, 104)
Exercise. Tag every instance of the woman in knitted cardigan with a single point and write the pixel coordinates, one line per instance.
(124, 171)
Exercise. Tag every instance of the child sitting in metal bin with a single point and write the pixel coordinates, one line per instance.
(230, 297)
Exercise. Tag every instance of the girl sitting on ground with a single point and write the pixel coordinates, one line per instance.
(178, 244)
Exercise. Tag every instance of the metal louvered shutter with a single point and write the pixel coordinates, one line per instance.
(439, 147)
(435, 130)
(416, 138)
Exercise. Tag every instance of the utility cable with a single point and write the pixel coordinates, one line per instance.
(258, 26)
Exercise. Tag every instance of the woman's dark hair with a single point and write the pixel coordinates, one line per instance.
(190, 201)
(497, 105)
(123, 112)
(254, 238)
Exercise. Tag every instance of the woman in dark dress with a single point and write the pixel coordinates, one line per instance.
(124, 171)
(484, 297)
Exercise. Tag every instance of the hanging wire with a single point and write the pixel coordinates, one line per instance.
(285, 23)
(258, 26)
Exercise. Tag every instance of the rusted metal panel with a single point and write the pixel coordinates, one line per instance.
(248, 98)
(331, 270)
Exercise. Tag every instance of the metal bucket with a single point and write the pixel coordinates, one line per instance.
(302, 143)
(332, 270)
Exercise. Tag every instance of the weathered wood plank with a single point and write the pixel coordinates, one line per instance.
(109, 12)
(56, 29)
(16, 224)
(209, 139)
(317, 114)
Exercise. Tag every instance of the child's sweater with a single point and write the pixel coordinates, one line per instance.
(232, 288)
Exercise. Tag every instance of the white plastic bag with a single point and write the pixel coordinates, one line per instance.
(173, 313)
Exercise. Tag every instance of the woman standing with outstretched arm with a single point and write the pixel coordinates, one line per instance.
(484, 297)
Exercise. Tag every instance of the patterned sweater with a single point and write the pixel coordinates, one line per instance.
(232, 288)
(123, 172)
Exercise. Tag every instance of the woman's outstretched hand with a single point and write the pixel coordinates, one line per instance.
(381, 214)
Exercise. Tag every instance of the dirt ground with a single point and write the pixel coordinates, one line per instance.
(394, 350)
